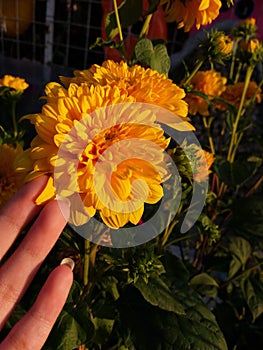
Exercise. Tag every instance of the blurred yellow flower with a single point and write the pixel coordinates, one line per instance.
(188, 13)
(225, 44)
(203, 164)
(246, 29)
(209, 82)
(233, 93)
(248, 22)
(251, 45)
(144, 85)
(10, 181)
(71, 109)
(14, 82)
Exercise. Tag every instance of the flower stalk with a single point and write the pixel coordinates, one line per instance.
(86, 262)
(210, 139)
(146, 26)
(118, 19)
(195, 70)
(14, 121)
(234, 137)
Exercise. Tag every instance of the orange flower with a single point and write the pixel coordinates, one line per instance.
(250, 45)
(189, 12)
(144, 85)
(233, 93)
(14, 82)
(248, 21)
(225, 44)
(95, 133)
(211, 83)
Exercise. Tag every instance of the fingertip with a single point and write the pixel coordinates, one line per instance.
(68, 262)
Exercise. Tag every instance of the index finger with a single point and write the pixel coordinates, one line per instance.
(18, 212)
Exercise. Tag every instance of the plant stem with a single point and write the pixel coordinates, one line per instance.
(146, 26)
(13, 112)
(118, 19)
(199, 64)
(86, 262)
(231, 73)
(209, 135)
(235, 139)
(254, 187)
(232, 150)
(179, 239)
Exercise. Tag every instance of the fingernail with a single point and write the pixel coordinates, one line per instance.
(68, 262)
(64, 205)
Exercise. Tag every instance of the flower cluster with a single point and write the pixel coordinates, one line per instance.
(130, 141)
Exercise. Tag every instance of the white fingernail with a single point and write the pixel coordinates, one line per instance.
(68, 262)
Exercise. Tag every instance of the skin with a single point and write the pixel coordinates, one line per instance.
(18, 271)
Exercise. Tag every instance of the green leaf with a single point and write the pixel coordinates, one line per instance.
(129, 13)
(160, 59)
(205, 284)
(176, 271)
(240, 250)
(157, 293)
(144, 50)
(154, 328)
(72, 329)
(154, 56)
(110, 285)
(233, 174)
(103, 329)
(247, 219)
(101, 42)
(202, 95)
(253, 293)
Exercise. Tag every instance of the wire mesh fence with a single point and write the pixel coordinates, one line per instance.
(51, 32)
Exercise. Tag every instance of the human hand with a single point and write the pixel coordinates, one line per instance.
(18, 271)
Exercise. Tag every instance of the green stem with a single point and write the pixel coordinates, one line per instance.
(197, 67)
(146, 25)
(239, 68)
(231, 72)
(118, 19)
(179, 239)
(86, 262)
(234, 136)
(13, 113)
(211, 142)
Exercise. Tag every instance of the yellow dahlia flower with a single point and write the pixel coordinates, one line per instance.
(144, 85)
(73, 124)
(188, 13)
(10, 181)
(14, 82)
(208, 82)
(233, 93)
